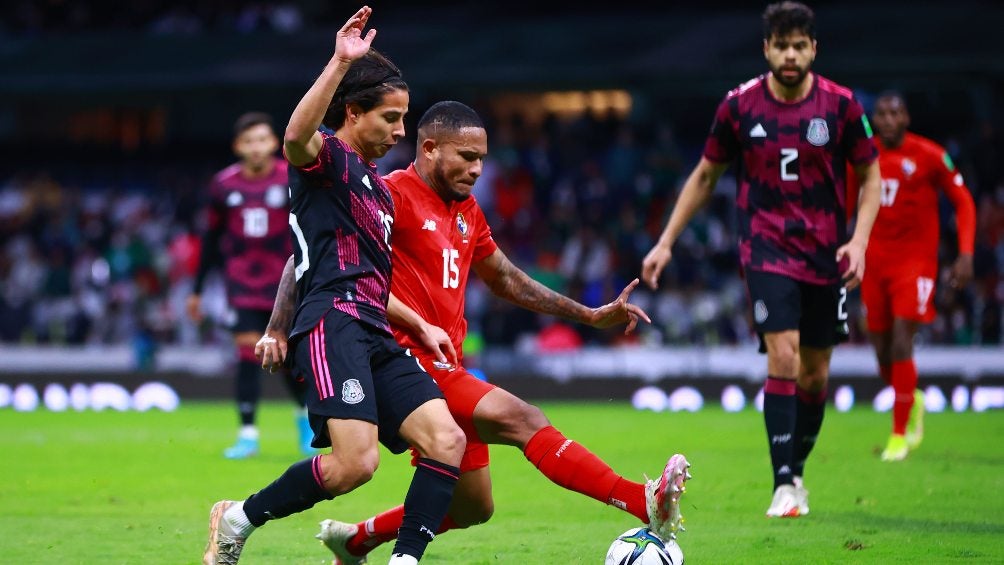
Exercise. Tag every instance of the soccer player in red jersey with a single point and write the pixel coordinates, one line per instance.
(902, 257)
(792, 133)
(364, 389)
(248, 237)
(440, 236)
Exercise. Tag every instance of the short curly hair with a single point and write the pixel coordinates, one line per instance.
(783, 18)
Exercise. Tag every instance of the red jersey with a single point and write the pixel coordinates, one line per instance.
(435, 243)
(907, 224)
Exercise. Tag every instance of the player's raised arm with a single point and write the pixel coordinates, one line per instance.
(509, 282)
(868, 207)
(694, 195)
(301, 142)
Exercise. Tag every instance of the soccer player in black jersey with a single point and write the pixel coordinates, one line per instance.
(364, 388)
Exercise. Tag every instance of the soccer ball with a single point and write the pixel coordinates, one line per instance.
(640, 546)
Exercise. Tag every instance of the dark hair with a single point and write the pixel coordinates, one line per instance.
(891, 95)
(365, 83)
(783, 18)
(448, 116)
(250, 120)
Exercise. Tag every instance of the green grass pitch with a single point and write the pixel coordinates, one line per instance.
(128, 488)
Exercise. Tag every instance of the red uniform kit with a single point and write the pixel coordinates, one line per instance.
(902, 255)
(435, 243)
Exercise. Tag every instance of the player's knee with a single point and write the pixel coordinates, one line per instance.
(448, 445)
(344, 474)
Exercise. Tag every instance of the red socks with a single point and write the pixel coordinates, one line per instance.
(560, 459)
(575, 468)
(383, 528)
(904, 382)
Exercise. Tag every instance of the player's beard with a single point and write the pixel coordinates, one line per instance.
(790, 82)
(446, 189)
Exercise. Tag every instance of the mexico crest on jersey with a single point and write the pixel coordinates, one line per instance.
(275, 196)
(461, 224)
(818, 133)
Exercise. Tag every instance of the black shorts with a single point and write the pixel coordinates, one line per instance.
(781, 303)
(246, 320)
(356, 372)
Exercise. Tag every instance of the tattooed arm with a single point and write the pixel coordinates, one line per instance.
(509, 282)
(271, 348)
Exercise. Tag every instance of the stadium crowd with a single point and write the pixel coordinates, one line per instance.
(575, 202)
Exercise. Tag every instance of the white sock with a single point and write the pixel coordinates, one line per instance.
(238, 520)
(402, 559)
(248, 432)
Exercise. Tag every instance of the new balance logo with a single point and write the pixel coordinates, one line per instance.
(366, 181)
(429, 225)
(758, 131)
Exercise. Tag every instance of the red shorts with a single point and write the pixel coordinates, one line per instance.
(898, 289)
(462, 391)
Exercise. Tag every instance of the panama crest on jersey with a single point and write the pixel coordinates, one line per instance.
(909, 167)
(818, 133)
(461, 224)
(352, 392)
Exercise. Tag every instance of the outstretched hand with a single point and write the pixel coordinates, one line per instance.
(653, 265)
(350, 44)
(619, 311)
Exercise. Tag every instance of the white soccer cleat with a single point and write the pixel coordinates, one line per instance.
(785, 503)
(225, 546)
(662, 497)
(802, 495)
(915, 425)
(336, 536)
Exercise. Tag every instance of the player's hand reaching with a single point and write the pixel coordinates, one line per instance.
(962, 271)
(619, 311)
(435, 338)
(654, 263)
(350, 44)
(271, 350)
(855, 254)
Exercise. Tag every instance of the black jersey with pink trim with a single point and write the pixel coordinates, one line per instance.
(792, 160)
(340, 218)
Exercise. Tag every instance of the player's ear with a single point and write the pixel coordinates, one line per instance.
(766, 47)
(429, 146)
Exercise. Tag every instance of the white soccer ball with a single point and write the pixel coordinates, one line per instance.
(640, 546)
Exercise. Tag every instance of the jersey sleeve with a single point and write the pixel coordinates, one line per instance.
(209, 246)
(722, 145)
(484, 243)
(330, 160)
(857, 141)
(949, 179)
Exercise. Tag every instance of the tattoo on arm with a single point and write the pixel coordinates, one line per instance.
(285, 301)
(509, 282)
